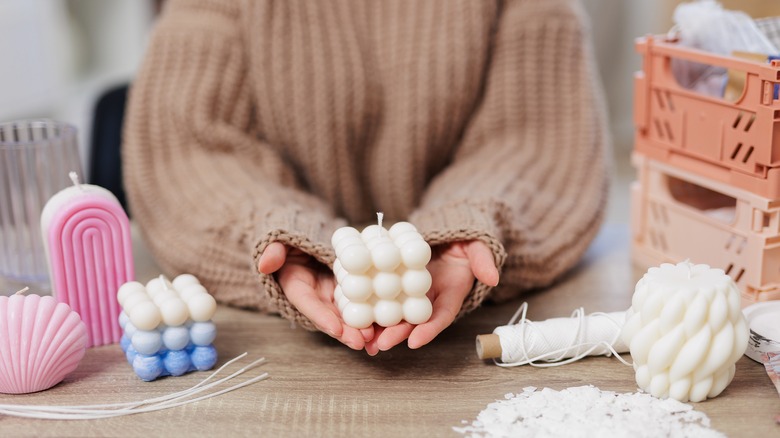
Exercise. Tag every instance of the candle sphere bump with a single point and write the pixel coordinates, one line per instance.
(145, 315)
(386, 256)
(343, 233)
(377, 271)
(358, 315)
(202, 307)
(356, 287)
(339, 298)
(400, 228)
(176, 338)
(416, 254)
(406, 237)
(372, 232)
(147, 342)
(129, 288)
(174, 312)
(355, 258)
(167, 326)
(417, 310)
(387, 285)
(135, 299)
(685, 331)
(184, 280)
(191, 290)
(388, 312)
(158, 285)
(416, 282)
(203, 333)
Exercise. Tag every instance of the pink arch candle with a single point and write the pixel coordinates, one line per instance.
(87, 238)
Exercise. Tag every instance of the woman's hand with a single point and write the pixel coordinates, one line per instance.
(453, 268)
(309, 286)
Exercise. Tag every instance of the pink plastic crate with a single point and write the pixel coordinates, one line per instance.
(737, 143)
(679, 215)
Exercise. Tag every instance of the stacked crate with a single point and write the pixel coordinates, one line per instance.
(708, 170)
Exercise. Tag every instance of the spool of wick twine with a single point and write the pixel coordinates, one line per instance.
(554, 341)
(488, 346)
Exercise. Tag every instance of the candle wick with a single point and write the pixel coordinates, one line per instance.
(164, 282)
(22, 291)
(688, 265)
(75, 178)
(379, 216)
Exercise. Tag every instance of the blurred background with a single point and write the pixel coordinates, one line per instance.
(615, 24)
(60, 56)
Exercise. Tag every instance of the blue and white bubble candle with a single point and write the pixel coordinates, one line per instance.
(167, 328)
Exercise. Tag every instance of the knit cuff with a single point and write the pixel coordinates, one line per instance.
(450, 223)
(306, 231)
(461, 221)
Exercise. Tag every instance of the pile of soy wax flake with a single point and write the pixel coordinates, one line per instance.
(586, 411)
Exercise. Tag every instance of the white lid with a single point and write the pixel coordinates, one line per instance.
(762, 319)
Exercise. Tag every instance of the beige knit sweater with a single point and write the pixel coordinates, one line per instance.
(258, 121)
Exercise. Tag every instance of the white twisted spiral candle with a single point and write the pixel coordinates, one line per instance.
(685, 331)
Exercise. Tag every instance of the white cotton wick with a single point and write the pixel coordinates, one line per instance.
(94, 412)
(164, 282)
(379, 216)
(554, 341)
(74, 177)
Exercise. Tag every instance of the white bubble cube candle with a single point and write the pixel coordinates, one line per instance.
(381, 275)
(167, 327)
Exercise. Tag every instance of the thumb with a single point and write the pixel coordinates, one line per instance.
(481, 261)
(273, 258)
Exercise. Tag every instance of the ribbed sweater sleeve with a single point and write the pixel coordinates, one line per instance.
(208, 192)
(259, 121)
(529, 177)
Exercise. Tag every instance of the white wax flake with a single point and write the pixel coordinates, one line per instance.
(586, 411)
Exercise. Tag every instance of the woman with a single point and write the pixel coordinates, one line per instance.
(256, 128)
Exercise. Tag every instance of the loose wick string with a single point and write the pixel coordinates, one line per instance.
(98, 414)
(549, 357)
(85, 412)
(159, 403)
(163, 398)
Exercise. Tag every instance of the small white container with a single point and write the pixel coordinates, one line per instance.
(764, 331)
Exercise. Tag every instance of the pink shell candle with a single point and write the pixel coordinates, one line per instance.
(86, 234)
(41, 342)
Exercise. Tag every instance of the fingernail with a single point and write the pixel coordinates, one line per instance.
(328, 332)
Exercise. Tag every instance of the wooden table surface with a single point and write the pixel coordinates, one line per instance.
(318, 387)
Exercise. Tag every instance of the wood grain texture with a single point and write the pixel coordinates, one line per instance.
(320, 388)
